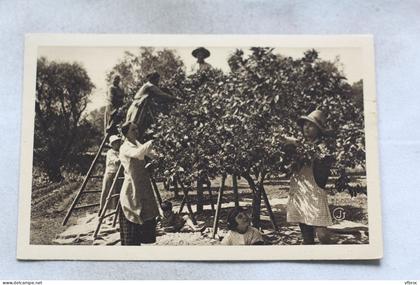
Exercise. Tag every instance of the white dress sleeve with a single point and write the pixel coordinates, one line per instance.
(256, 236)
(139, 151)
(227, 240)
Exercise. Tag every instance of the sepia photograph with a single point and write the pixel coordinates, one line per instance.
(199, 147)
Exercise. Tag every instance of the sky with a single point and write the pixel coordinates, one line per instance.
(98, 61)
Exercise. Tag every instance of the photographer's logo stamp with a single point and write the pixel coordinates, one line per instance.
(339, 214)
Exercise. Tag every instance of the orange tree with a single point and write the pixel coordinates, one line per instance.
(134, 67)
(236, 123)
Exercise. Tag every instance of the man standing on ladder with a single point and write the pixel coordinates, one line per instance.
(150, 91)
(115, 101)
(200, 54)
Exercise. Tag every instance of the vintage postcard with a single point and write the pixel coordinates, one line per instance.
(199, 147)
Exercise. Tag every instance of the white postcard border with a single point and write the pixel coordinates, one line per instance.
(373, 250)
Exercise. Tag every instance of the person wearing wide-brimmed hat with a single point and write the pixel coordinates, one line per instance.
(150, 91)
(308, 203)
(115, 100)
(200, 54)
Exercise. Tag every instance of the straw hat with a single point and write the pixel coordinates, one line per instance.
(114, 138)
(316, 117)
(202, 50)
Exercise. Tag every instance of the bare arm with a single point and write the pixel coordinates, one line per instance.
(280, 138)
(161, 94)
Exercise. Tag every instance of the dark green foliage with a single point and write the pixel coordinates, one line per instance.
(236, 123)
(61, 132)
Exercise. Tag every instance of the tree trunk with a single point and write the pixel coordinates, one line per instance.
(269, 209)
(200, 195)
(235, 190)
(176, 189)
(256, 199)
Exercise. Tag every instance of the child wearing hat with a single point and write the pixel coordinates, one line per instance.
(111, 168)
(308, 203)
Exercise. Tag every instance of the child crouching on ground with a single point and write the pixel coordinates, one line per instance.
(240, 231)
(172, 222)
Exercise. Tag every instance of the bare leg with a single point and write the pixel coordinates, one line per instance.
(191, 225)
(189, 222)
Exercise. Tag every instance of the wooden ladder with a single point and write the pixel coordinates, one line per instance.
(111, 195)
(89, 176)
(140, 118)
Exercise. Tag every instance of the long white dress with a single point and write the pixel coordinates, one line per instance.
(308, 203)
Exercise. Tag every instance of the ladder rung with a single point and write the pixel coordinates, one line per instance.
(101, 176)
(92, 191)
(113, 196)
(160, 179)
(110, 214)
(86, 206)
(264, 218)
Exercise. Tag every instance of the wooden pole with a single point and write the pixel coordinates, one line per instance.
(187, 201)
(269, 209)
(235, 190)
(256, 207)
(86, 179)
(211, 196)
(176, 189)
(256, 200)
(156, 189)
(199, 196)
(117, 212)
(219, 206)
(181, 207)
(111, 191)
(102, 211)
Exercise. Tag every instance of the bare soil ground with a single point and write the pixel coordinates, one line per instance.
(50, 204)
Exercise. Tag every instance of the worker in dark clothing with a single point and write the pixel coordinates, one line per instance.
(115, 101)
(149, 91)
